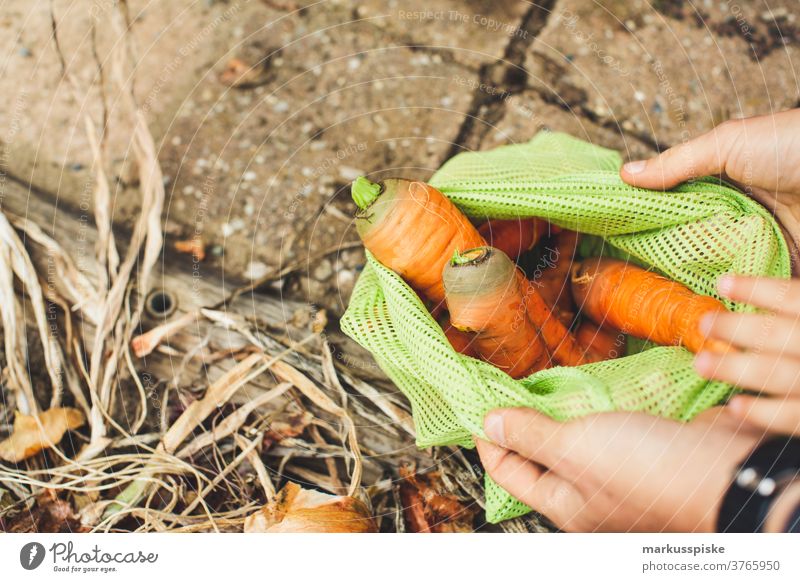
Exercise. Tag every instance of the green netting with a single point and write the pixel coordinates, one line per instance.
(692, 234)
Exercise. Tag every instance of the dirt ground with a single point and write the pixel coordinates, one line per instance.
(259, 166)
(264, 111)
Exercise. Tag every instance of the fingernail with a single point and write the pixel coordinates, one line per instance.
(725, 285)
(705, 324)
(635, 167)
(735, 406)
(702, 363)
(493, 427)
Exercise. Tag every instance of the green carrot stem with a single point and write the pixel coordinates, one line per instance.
(364, 192)
(469, 256)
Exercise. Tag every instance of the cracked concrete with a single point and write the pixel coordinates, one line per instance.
(381, 88)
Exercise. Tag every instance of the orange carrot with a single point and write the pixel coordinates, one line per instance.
(514, 236)
(485, 297)
(555, 334)
(413, 229)
(553, 281)
(599, 342)
(463, 342)
(643, 304)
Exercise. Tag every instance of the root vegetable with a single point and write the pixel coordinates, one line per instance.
(462, 341)
(413, 229)
(600, 343)
(553, 283)
(298, 510)
(643, 304)
(559, 341)
(485, 296)
(514, 236)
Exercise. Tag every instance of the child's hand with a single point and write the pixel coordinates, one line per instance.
(769, 360)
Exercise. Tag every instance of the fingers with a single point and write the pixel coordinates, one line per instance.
(703, 156)
(770, 373)
(758, 332)
(532, 435)
(723, 416)
(542, 490)
(780, 295)
(780, 415)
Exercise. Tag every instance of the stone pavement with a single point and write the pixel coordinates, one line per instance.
(266, 110)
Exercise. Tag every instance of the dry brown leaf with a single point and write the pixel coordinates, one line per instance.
(428, 508)
(193, 246)
(240, 75)
(298, 510)
(50, 514)
(34, 433)
(291, 426)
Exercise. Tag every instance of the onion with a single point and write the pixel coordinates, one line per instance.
(298, 510)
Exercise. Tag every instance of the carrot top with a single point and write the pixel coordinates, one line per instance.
(364, 192)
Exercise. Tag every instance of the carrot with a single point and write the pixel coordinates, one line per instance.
(555, 334)
(599, 342)
(514, 236)
(643, 304)
(413, 229)
(553, 282)
(462, 341)
(484, 296)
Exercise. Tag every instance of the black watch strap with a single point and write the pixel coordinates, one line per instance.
(793, 526)
(758, 480)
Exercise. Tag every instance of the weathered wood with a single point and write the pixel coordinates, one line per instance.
(202, 351)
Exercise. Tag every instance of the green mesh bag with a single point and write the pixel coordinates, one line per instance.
(691, 234)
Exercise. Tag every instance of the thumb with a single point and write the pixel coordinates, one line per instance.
(702, 156)
(532, 435)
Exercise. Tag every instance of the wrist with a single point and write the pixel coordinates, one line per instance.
(770, 469)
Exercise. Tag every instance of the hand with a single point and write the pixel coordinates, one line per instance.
(616, 471)
(769, 360)
(761, 155)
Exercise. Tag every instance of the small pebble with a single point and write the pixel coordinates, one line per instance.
(345, 280)
(24, 51)
(255, 270)
(349, 173)
(249, 176)
(233, 226)
(323, 271)
(775, 14)
(217, 250)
